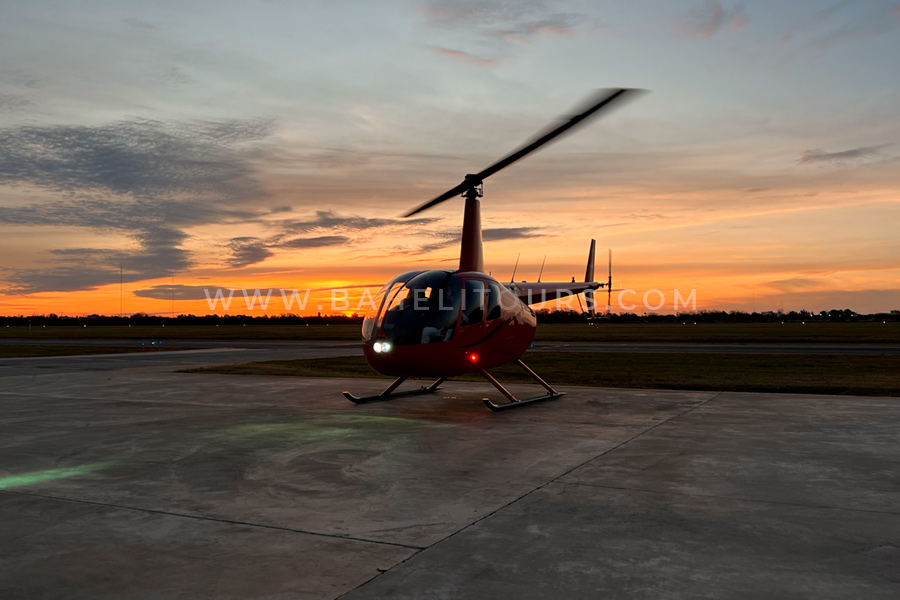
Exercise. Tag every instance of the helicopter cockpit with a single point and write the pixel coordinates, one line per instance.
(419, 307)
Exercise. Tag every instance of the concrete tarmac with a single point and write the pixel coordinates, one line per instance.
(122, 478)
(204, 353)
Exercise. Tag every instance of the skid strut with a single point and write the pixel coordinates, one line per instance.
(513, 401)
(389, 393)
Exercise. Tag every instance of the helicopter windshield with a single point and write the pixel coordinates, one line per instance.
(421, 311)
(372, 319)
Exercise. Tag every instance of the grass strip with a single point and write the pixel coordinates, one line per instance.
(782, 373)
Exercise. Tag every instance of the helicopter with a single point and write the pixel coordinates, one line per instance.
(448, 323)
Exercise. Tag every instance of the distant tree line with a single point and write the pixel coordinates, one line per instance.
(544, 316)
(721, 316)
(143, 319)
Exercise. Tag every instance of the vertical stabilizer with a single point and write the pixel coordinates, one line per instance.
(589, 277)
(589, 272)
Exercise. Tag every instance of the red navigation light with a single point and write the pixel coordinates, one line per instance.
(473, 357)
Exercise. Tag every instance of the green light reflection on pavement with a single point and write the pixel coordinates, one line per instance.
(22, 479)
(320, 428)
(289, 432)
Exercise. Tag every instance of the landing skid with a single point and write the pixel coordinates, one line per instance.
(389, 393)
(513, 401)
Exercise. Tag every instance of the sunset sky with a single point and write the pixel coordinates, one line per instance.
(275, 144)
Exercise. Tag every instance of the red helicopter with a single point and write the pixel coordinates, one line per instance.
(443, 323)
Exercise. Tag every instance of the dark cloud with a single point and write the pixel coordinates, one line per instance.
(138, 157)
(59, 279)
(509, 233)
(247, 251)
(464, 56)
(326, 219)
(842, 157)
(185, 292)
(143, 178)
(200, 292)
(250, 250)
(157, 255)
(315, 242)
(123, 214)
(444, 239)
(707, 20)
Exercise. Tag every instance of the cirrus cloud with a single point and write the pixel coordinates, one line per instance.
(842, 157)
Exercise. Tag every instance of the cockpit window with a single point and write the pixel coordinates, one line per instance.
(473, 305)
(372, 320)
(493, 305)
(423, 310)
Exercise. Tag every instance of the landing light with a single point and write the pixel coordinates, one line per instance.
(382, 347)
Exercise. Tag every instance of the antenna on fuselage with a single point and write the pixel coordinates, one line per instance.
(512, 278)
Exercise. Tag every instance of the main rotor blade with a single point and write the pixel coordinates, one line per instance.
(456, 191)
(605, 98)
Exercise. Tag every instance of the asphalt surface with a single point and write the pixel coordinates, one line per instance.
(121, 478)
